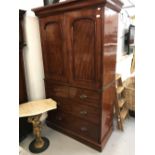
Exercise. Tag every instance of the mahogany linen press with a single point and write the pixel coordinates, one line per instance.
(79, 43)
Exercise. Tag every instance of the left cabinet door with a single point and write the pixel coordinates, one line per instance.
(53, 48)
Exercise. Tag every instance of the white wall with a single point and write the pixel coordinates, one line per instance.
(123, 61)
(33, 59)
(29, 4)
(32, 54)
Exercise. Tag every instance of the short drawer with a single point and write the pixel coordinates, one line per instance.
(61, 118)
(84, 95)
(56, 90)
(62, 104)
(86, 112)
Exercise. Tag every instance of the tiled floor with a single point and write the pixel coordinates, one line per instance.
(120, 143)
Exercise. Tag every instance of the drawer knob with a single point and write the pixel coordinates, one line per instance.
(83, 129)
(58, 103)
(59, 118)
(83, 112)
(98, 16)
(83, 96)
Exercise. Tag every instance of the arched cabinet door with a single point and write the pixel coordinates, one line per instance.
(84, 46)
(53, 48)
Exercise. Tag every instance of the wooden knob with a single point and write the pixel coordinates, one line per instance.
(84, 129)
(58, 103)
(59, 118)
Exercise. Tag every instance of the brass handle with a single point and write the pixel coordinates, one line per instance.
(83, 96)
(83, 112)
(83, 129)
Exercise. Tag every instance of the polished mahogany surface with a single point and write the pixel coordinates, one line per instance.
(110, 44)
(55, 58)
(79, 41)
(76, 5)
(83, 47)
(109, 58)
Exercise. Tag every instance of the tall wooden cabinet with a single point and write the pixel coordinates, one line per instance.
(79, 42)
(24, 126)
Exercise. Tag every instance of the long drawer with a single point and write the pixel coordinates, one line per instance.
(74, 124)
(90, 97)
(78, 109)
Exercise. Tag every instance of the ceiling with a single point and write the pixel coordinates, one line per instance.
(128, 3)
(129, 7)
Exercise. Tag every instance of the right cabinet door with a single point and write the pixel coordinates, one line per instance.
(83, 30)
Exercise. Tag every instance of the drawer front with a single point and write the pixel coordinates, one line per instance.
(60, 118)
(56, 90)
(86, 129)
(63, 104)
(81, 127)
(86, 112)
(84, 95)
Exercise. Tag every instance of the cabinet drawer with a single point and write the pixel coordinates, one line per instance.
(60, 118)
(86, 112)
(56, 90)
(63, 104)
(84, 95)
(86, 129)
(74, 124)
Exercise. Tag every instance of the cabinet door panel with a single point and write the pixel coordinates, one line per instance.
(54, 54)
(83, 43)
(83, 61)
